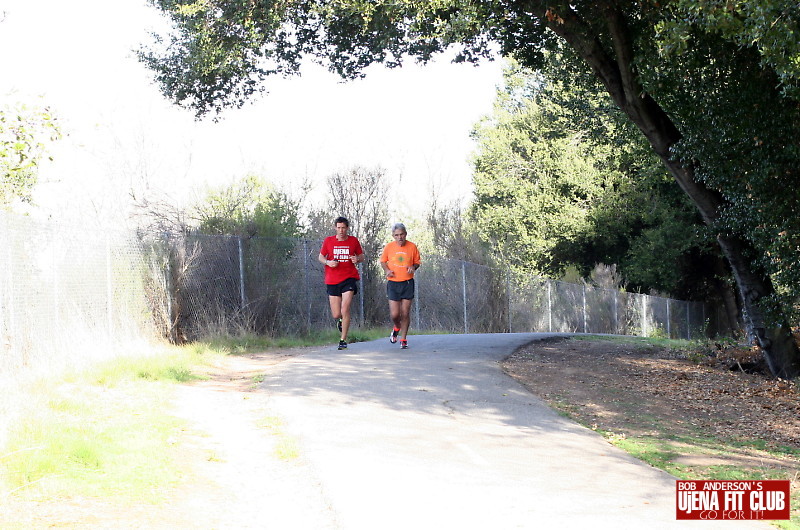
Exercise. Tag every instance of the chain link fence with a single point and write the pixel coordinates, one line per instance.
(222, 283)
(68, 296)
(69, 293)
(227, 283)
(463, 297)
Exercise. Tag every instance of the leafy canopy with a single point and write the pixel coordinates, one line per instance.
(771, 27)
(219, 52)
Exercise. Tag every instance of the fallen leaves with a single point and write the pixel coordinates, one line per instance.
(609, 382)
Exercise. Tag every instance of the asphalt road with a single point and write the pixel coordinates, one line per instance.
(437, 436)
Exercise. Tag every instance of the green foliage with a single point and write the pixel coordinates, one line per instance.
(219, 51)
(93, 441)
(741, 133)
(770, 27)
(562, 181)
(249, 207)
(24, 134)
(533, 179)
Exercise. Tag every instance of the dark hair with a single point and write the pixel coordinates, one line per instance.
(342, 220)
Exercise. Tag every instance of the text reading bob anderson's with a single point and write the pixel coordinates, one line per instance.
(717, 500)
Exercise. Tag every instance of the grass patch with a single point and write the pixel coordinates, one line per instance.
(286, 446)
(249, 343)
(89, 441)
(642, 342)
(103, 431)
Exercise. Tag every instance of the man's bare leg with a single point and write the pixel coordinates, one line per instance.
(396, 313)
(347, 300)
(400, 313)
(405, 318)
(336, 306)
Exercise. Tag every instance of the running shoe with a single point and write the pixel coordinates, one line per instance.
(342, 345)
(393, 335)
(339, 324)
(403, 344)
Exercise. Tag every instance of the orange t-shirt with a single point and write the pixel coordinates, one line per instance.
(399, 259)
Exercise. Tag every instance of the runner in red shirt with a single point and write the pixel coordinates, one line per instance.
(400, 260)
(340, 254)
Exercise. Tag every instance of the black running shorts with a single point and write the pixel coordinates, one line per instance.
(397, 291)
(336, 289)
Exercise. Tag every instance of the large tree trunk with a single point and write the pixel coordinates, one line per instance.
(727, 295)
(614, 70)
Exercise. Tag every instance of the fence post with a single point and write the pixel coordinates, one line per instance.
(56, 300)
(584, 308)
(168, 289)
(416, 306)
(464, 291)
(669, 327)
(688, 321)
(616, 312)
(242, 298)
(12, 324)
(361, 297)
(109, 288)
(306, 296)
(644, 315)
(508, 297)
(703, 315)
(549, 306)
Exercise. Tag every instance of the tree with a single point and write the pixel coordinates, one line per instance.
(536, 178)
(24, 134)
(249, 207)
(455, 234)
(563, 181)
(221, 50)
(625, 59)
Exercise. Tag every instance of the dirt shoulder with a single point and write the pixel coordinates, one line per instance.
(239, 469)
(696, 420)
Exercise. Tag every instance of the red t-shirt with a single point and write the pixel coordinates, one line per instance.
(341, 251)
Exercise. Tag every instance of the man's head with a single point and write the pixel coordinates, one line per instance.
(399, 233)
(342, 227)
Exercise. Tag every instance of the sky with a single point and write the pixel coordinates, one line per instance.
(123, 138)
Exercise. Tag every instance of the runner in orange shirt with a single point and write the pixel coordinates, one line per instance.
(400, 259)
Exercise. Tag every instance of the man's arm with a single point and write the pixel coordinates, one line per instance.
(325, 261)
(386, 269)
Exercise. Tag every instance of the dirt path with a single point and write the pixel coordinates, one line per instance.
(251, 475)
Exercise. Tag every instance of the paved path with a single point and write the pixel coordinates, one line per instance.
(437, 436)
